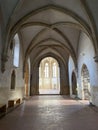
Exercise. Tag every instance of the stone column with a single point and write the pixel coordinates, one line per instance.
(64, 88)
(35, 81)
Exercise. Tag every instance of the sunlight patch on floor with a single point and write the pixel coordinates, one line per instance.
(49, 91)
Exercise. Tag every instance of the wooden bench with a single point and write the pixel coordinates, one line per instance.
(13, 102)
(2, 109)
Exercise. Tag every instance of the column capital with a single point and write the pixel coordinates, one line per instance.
(96, 58)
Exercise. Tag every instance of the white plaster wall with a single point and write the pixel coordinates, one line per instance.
(5, 80)
(7, 8)
(86, 55)
(93, 5)
(71, 68)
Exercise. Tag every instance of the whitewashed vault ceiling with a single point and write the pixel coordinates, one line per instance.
(49, 26)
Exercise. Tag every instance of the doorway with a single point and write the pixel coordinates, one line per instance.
(74, 84)
(85, 83)
(49, 76)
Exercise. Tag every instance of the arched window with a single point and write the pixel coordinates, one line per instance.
(16, 50)
(54, 70)
(49, 81)
(13, 77)
(46, 70)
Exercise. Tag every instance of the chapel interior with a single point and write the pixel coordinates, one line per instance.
(48, 48)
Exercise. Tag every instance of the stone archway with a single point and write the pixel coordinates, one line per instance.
(49, 76)
(74, 84)
(64, 81)
(85, 83)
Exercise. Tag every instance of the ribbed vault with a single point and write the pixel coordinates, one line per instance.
(44, 27)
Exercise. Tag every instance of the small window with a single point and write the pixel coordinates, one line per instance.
(16, 51)
(13, 77)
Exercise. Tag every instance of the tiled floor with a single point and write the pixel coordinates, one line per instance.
(51, 113)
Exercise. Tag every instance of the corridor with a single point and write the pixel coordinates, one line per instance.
(51, 113)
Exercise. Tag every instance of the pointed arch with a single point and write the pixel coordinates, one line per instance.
(47, 83)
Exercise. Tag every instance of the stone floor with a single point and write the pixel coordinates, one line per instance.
(51, 113)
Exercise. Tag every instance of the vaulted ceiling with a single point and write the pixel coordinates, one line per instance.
(49, 26)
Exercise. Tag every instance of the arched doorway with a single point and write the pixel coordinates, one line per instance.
(74, 84)
(49, 76)
(85, 83)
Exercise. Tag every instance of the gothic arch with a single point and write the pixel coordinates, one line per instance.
(83, 24)
(49, 76)
(64, 84)
(85, 27)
